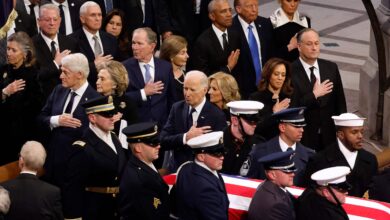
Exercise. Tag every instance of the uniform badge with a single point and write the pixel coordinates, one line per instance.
(156, 202)
(5, 75)
(80, 143)
(122, 105)
(245, 167)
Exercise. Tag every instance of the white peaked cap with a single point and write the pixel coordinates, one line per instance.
(246, 107)
(332, 175)
(348, 120)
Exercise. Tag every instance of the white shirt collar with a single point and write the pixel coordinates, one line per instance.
(200, 106)
(90, 36)
(350, 156)
(65, 3)
(80, 91)
(150, 63)
(207, 168)
(217, 31)
(279, 18)
(245, 25)
(284, 146)
(104, 136)
(48, 40)
(29, 172)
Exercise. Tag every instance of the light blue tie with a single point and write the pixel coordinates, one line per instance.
(109, 5)
(148, 76)
(255, 53)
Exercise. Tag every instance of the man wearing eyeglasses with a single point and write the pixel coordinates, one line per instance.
(200, 189)
(272, 200)
(324, 199)
(143, 193)
(238, 136)
(95, 166)
(318, 87)
(291, 124)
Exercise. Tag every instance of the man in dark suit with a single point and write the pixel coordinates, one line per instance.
(70, 18)
(30, 197)
(200, 189)
(64, 116)
(107, 5)
(51, 47)
(151, 79)
(26, 21)
(291, 123)
(255, 33)
(98, 46)
(347, 151)
(190, 118)
(272, 201)
(95, 168)
(318, 87)
(143, 193)
(217, 48)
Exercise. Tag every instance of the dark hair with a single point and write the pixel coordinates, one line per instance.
(269, 68)
(301, 32)
(26, 45)
(123, 37)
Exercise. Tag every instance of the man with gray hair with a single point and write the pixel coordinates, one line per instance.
(64, 115)
(98, 46)
(190, 118)
(4, 202)
(30, 197)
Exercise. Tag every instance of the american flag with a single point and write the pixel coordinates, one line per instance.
(241, 190)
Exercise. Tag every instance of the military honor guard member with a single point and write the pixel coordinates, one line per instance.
(143, 193)
(95, 167)
(272, 201)
(200, 189)
(291, 123)
(323, 200)
(348, 151)
(239, 136)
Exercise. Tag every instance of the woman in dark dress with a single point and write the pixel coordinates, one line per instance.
(274, 91)
(287, 22)
(21, 97)
(223, 89)
(113, 81)
(113, 24)
(174, 50)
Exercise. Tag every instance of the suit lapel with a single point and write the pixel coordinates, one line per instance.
(86, 45)
(101, 147)
(215, 42)
(202, 115)
(138, 74)
(43, 46)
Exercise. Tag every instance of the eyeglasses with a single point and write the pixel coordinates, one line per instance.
(217, 154)
(153, 144)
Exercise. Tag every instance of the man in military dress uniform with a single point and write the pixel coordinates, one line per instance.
(143, 193)
(95, 167)
(238, 137)
(323, 199)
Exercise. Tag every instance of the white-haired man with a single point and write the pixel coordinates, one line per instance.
(64, 115)
(30, 197)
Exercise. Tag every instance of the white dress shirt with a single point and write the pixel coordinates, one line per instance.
(307, 66)
(104, 136)
(219, 35)
(350, 156)
(92, 41)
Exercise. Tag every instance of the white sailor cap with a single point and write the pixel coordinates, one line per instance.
(207, 143)
(245, 107)
(333, 176)
(348, 120)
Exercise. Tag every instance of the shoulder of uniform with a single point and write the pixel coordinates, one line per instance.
(79, 143)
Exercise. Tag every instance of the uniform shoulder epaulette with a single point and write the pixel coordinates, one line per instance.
(80, 143)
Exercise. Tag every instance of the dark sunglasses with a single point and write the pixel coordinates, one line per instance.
(153, 143)
(217, 154)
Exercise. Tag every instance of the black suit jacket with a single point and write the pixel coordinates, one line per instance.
(143, 193)
(173, 131)
(301, 157)
(93, 164)
(61, 138)
(33, 199)
(319, 111)
(25, 22)
(270, 202)
(103, 6)
(110, 46)
(365, 168)
(200, 194)
(208, 55)
(49, 74)
(244, 72)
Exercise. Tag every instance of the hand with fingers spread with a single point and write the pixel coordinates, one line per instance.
(152, 88)
(321, 89)
(285, 103)
(59, 55)
(195, 132)
(67, 120)
(233, 58)
(14, 87)
(101, 59)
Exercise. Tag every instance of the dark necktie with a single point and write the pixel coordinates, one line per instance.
(53, 49)
(109, 5)
(190, 121)
(253, 47)
(148, 14)
(62, 25)
(68, 108)
(312, 76)
(32, 13)
(225, 42)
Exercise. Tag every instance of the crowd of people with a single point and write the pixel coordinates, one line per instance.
(90, 89)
